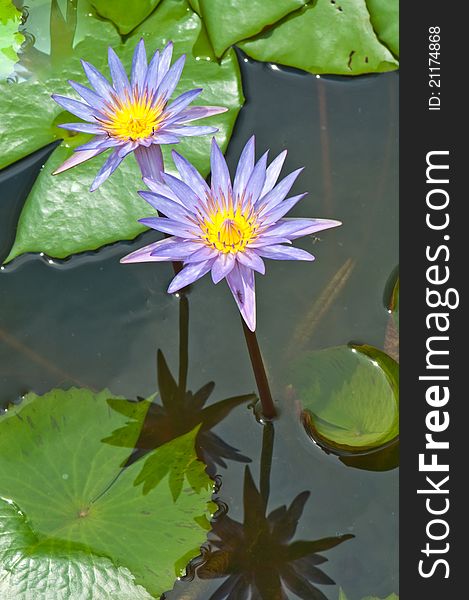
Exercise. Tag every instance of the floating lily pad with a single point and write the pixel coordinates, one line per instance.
(60, 216)
(229, 21)
(385, 20)
(342, 596)
(126, 15)
(83, 517)
(10, 38)
(394, 304)
(327, 36)
(349, 397)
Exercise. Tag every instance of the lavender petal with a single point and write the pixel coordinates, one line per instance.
(180, 103)
(242, 286)
(295, 228)
(200, 112)
(222, 266)
(82, 127)
(139, 66)
(189, 274)
(170, 226)
(190, 131)
(273, 215)
(161, 188)
(185, 194)
(151, 77)
(98, 81)
(278, 252)
(118, 74)
(164, 250)
(250, 259)
(245, 167)
(278, 193)
(171, 79)
(273, 172)
(76, 159)
(76, 108)
(165, 206)
(190, 175)
(256, 181)
(165, 62)
(90, 97)
(111, 164)
(221, 182)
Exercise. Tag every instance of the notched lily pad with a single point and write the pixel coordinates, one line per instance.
(349, 397)
(73, 509)
(385, 20)
(126, 15)
(235, 20)
(327, 36)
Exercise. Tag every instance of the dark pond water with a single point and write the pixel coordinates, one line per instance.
(95, 323)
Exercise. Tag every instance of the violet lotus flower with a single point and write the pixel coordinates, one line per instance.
(227, 228)
(133, 116)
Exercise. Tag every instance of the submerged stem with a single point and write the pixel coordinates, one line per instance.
(268, 408)
(266, 462)
(183, 344)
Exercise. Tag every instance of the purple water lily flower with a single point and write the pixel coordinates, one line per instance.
(133, 116)
(226, 228)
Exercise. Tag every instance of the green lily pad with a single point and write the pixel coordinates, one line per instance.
(394, 304)
(327, 36)
(126, 15)
(25, 563)
(84, 514)
(385, 20)
(10, 38)
(342, 596)
(230, 21)
(60, 216)
(349, 396)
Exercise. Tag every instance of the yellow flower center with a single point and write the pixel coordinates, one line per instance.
(134, 118)
(229, 229)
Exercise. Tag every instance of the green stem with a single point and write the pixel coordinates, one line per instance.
(268, 408)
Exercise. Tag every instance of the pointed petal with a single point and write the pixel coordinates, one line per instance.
(165, 62)
(242, 286)
(76, 108)
(222, 266)
(189, 274)
(90, 97)
(256, 181)
(279, 252)
(139, 66)
(111, 164)
(200, 112)
(181, 102)
(165, 206)
(98, 81)
(99, 141)
(221, 181)
(151, 78)
(118, 74)
(171, 79)
(202, 253)
(190, 131)
(165, 138)
(295, 228)
(163, 250)
(76, 159)
(185, 194)
(273, 215)
(278, 193)
(252, 260)
(82, 127)
(245, 167)
(170, 226)
(160, 188)
(273, 172)
(190, 175)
